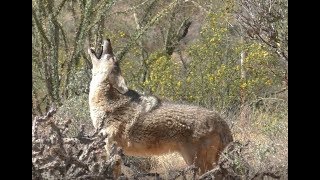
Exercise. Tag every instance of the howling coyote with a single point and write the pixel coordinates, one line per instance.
(144, 125)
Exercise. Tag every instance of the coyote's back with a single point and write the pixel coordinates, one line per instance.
(143, 125)
(177, 123)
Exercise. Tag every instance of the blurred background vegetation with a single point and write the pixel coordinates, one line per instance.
(230, 55)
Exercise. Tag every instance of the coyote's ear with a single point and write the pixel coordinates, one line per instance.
(113, 59)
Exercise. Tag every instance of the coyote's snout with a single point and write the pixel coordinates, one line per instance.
(144, 125)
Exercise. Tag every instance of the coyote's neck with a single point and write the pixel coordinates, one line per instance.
(98, 101)
(104, 100)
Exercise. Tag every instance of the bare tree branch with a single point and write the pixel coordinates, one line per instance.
(40, 28)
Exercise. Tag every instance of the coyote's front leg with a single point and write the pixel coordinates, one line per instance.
(112, 151)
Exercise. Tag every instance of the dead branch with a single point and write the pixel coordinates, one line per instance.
(54, 155)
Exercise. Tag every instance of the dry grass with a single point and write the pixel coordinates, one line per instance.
(265, 129)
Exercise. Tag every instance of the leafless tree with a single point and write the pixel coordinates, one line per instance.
(266, 22)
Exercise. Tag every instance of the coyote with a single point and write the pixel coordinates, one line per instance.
(144, 125)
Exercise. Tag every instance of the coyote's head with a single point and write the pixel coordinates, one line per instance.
(105, 68)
